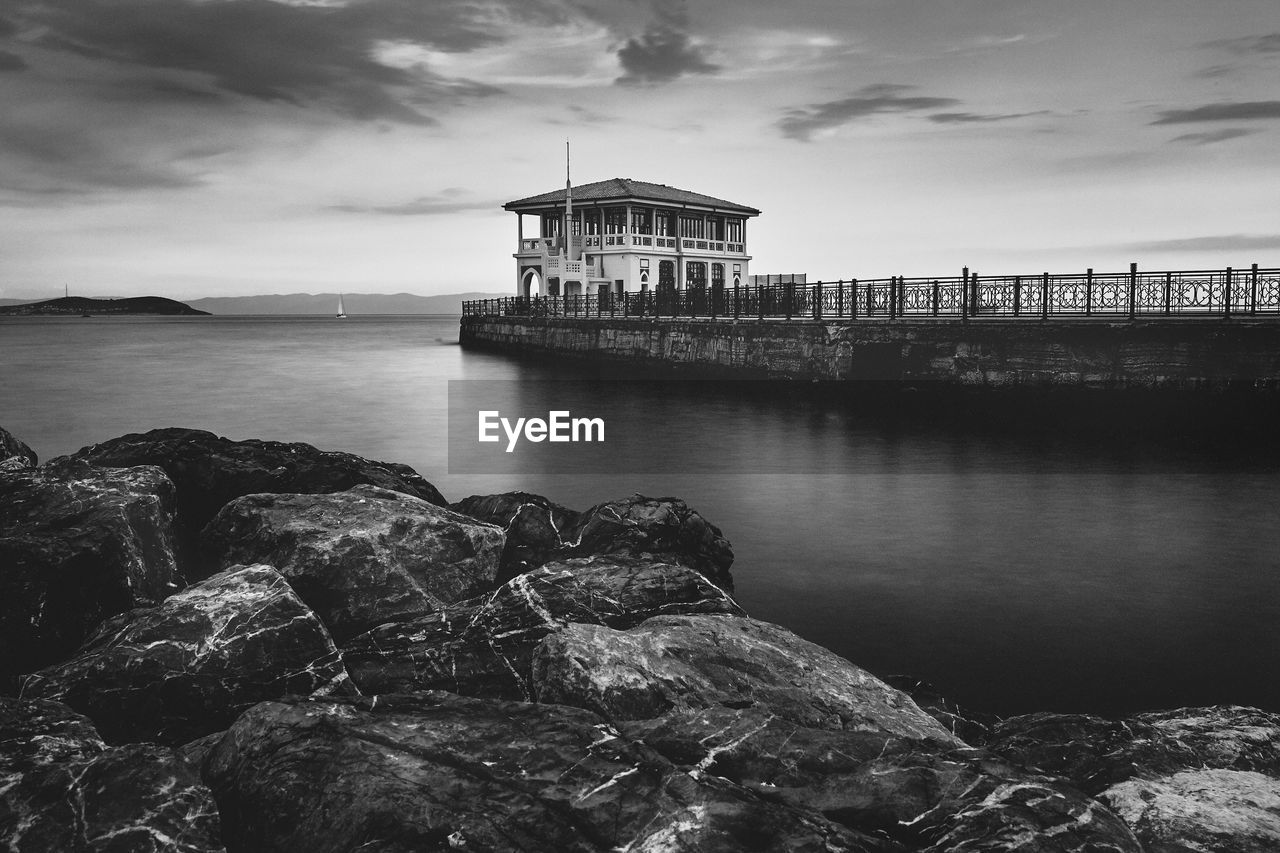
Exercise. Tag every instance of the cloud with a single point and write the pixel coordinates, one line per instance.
(804, 122)
(979, 118)
(665, 51)
(1212, 136)
(1215, 243)
(300, 54)
(11, 61)
(447, 201)
(1227, 111)
(1269, 43)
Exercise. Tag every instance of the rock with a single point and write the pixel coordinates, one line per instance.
(972, 727)
(878, 783)
(78, 544)
(691, 662)
(209, 470)
(662, 527)
(532, 525)
(38, 733)
(361, 557)
(62, 789)
(434, 771)
(483, 646)
(191, 665)
(1202, 811)
(14, 453)
(1095, 753)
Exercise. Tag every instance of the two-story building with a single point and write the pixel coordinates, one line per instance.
(624, 236)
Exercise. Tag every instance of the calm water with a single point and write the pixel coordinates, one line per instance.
(1016, 569)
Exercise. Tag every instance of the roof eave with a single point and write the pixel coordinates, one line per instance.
(532, 206)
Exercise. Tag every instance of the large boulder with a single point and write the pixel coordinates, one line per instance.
(78, 543)
(62, 789)
(1097, 753)
(361, 557)
(690, 662)
(483, 646)
(922, 796)
(14, 453)
(190, 666)
(209, 470)
(532, 525)
(434, 771)
(658, 527)
(1202, 811)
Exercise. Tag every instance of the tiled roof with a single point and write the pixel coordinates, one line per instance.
(620, 189)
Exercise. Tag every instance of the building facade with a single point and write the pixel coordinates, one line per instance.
(624, 236)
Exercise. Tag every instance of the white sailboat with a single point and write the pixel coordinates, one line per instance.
(341, 313)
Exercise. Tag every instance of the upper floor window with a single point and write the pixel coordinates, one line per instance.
(733, 230)
(641, 221)
(693, 226)
(663, 225)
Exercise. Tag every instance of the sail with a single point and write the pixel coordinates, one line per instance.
(341, 312)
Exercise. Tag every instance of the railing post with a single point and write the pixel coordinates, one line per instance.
(1168, 292)
(973, 292)
(840, 298)
(1133, 290)
(936, 295)
(789, 293)
(1226, 294)
(817, 301)
(964, 294)
(853, 299)
(871, 298)
(1253, 291)
(1044, 297)
(1088, 291)
(1017, 296)
(737, 297)
(760, 301)
(893, 297)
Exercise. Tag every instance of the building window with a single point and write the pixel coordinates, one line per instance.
(641, 221)
(615, 220)
(662, 224)
(575, 224)
(717, 275)
(695, 274)
(693, 226)
(737, 269)
(592, 221)
(733, 231)
(666, 274)
(644, 264)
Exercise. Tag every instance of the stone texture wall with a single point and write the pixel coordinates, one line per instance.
(1176, 353)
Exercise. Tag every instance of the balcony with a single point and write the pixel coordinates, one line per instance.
(604, 242)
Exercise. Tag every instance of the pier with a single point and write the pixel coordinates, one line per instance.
(1188, 330)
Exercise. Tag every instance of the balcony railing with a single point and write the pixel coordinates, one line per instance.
(644, 241)
(1249, 292)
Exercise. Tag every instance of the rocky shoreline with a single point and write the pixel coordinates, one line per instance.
(211, 645)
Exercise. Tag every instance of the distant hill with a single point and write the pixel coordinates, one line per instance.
(327, 303)
(81, 305)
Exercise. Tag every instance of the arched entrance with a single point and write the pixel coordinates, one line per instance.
(531, 283)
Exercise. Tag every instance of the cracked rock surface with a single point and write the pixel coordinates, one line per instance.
(14, 452)
(363, 556)
(62, 789)
(484, 646)
(78, 543)
(190, 666)
(435, 771)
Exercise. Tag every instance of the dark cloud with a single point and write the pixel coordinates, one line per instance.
(296, 54)
(1269, 43)
(665, 51)
(11, 61)
(979, 118)
(1220, 242)
(73, 162)
(1241, 111)
(1212, 136)
(7, 28)
(447, 201)
(802, 123)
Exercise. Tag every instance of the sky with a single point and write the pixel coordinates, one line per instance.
(190, 148)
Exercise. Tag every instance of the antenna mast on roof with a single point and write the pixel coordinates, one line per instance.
(568, 207)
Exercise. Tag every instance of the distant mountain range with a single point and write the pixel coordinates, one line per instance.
(84, 305)
(327, 303)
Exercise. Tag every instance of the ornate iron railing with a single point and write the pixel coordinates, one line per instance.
(1249, 291)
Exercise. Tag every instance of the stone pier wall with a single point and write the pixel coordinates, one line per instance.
(1174, 353)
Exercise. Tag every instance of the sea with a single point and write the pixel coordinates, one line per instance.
(1015, 564)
